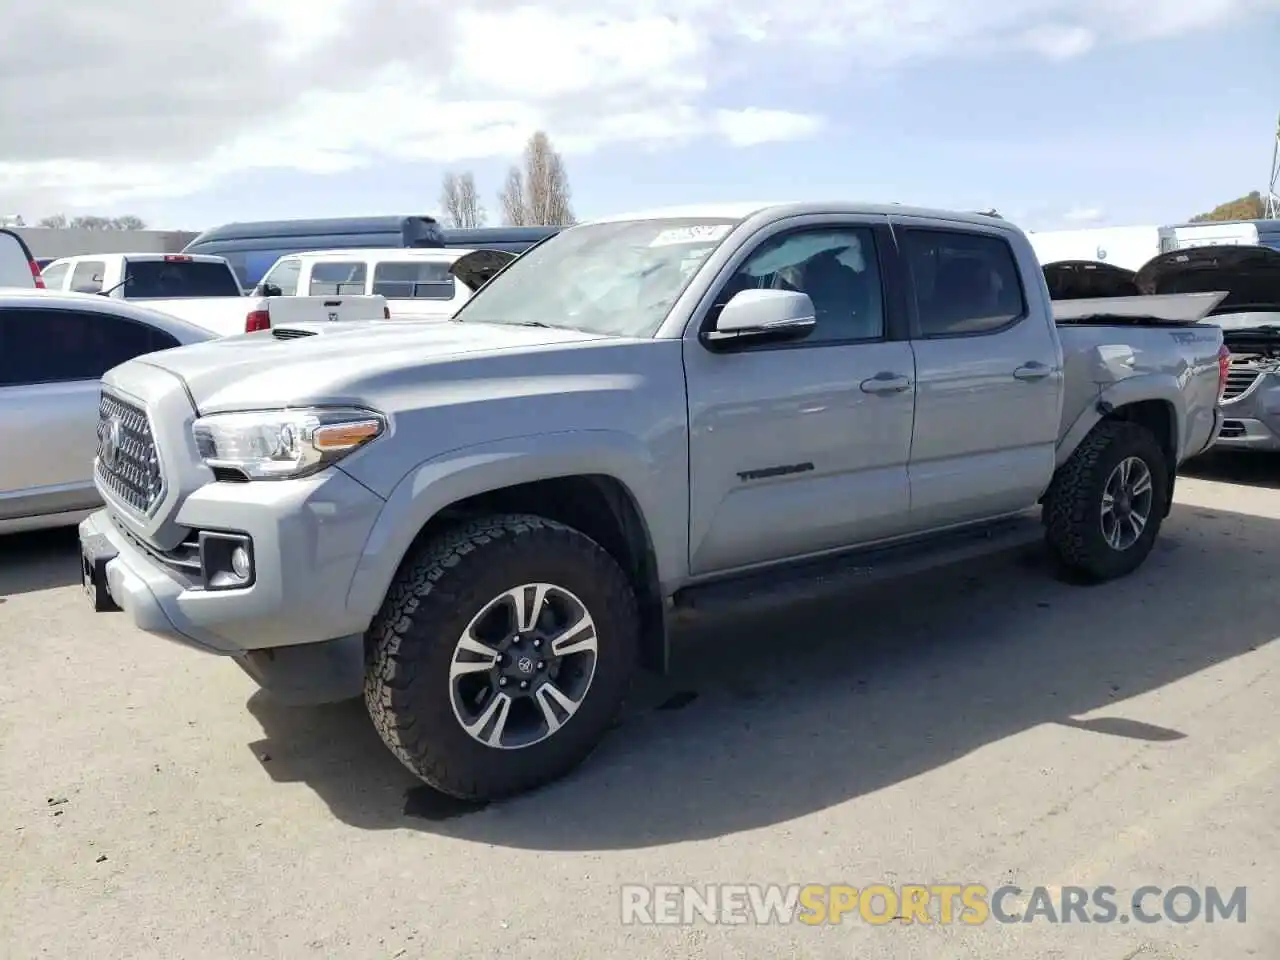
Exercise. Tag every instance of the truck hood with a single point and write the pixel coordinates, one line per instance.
(338, 362)
(1088, 279)
(1250, 276)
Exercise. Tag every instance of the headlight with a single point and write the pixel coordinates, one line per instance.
(284, 444)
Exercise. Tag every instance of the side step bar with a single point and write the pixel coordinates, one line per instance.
(845, 572)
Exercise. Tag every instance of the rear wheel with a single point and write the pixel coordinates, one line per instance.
(501, 656)
(1105, 506)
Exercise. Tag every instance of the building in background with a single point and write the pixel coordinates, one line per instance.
(70, 242)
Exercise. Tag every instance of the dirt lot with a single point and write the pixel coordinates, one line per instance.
(986, 725)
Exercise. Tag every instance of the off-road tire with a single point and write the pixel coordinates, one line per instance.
(1073, 505)
(437, 592)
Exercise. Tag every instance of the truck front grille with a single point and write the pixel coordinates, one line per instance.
(127, 462)
(1240, 377)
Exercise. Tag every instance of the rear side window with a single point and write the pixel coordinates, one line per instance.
(413, 280)
(51, 346)
(965, 283)
(176, 279)
(331, 278)
(55, 276)
(87, 276)
(284, 277)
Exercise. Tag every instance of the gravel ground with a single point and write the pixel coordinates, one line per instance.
(983, 725)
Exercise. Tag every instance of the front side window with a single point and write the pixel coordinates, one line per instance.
(284, 277)
(835, 267)
(55, 275)
(614, 279)
(965, 283)
(39, 345)
(332, 278)
(413, 280)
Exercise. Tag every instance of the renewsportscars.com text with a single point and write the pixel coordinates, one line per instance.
(965, 904)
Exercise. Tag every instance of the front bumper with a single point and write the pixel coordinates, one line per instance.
(308, 536)
(1252, 420)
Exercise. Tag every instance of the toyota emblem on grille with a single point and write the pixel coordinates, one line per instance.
(112, 437)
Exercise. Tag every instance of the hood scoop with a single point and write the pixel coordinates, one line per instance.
(290, 333)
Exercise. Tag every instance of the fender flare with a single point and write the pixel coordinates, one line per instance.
(1163, 388)
(442, 480)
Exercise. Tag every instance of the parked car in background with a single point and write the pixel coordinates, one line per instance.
(417, 284)
(252, 248)
(54, 348)
(17, 267)
(1250, 322)
(200, 289)
(484, 525)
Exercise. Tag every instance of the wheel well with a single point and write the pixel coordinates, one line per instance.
(1160, 419)
(597, 505)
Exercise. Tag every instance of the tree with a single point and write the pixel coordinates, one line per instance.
(60, 221)
(460, 201)
(539, 193)
(511, 198)
(1249, 207)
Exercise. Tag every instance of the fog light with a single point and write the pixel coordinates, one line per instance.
(240, 563)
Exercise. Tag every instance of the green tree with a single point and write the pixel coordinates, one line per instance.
(1249, 207)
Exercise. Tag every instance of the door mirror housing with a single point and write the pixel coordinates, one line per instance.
(761, 316)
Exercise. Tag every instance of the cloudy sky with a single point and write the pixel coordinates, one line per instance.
(1057, 112)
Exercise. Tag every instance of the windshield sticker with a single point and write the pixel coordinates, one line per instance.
(699, 234)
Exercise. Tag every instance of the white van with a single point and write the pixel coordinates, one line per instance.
(17, 266)
(417, 283)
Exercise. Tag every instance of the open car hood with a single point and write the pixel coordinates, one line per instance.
(1250, 275)
(1088, 280)
(478, 267)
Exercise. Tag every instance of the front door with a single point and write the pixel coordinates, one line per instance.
(802, 447)
(988, 376)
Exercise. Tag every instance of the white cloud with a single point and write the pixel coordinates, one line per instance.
(1083, 215)
(100, 105)
(745, 128)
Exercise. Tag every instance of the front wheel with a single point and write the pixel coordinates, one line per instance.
(501, 656)
(1105, 505)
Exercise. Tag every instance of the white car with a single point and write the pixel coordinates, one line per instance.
(202, 290)
(418, 283)
(54, 349)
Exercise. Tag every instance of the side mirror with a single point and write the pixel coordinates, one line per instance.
(761, 316)
(271, 290)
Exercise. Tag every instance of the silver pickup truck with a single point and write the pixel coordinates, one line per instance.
(485, 525)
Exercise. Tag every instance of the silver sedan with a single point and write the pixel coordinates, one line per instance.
(54, 349)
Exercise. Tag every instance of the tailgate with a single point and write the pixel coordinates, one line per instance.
(290, 310)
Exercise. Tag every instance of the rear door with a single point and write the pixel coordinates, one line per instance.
(338, 278)
(418, 288)
(988, 374)
(51, 361)
(15, 261)
(87, 276)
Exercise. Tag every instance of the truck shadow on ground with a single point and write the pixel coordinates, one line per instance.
(790, 713)
(42, 560)
(1253, 469)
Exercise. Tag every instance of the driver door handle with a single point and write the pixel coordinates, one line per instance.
(886, 382)
(1035, 370)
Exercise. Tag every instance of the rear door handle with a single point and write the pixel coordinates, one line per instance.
(1032, 371)
(886, 382)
